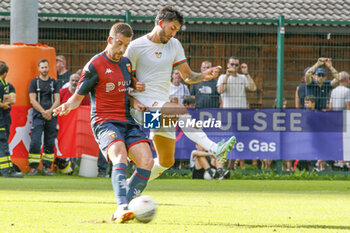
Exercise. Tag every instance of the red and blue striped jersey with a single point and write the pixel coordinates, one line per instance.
(108, 83)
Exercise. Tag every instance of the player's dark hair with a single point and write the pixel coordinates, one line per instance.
(42, 61)
(122, 28)
(3, 68)
(169, 14)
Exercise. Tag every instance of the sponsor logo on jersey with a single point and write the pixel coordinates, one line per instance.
(129, 67)
(110, 87)
(108, 71)
(158, 54)
(112, 135)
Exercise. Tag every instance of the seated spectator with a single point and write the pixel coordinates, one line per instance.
(205, 166)
(320, 88)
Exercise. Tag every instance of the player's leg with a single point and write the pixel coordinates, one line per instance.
(118, 155)
(110, 138)
(197, 135)
(141, 154)
(165, 148)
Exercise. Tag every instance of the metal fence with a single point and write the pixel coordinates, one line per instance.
(254, 41)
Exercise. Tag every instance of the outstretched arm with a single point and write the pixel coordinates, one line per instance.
(72, 103)
(192, 77)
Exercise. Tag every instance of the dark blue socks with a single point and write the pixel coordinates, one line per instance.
(137, 183)
(119, 183)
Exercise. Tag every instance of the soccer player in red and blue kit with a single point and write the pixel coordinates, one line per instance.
(107, 77)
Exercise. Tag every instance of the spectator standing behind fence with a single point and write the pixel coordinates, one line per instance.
(320, 88)
(340, 96)
(340, 100)
(300, 92)
(232, 86)
(6, 165)
(205, 92)
(63, 74)
(178, 90)
(44, 97)
(309, 103)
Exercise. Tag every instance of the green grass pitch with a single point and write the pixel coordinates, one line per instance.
(76, 204)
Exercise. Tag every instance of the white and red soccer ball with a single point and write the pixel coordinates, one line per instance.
(144, 208)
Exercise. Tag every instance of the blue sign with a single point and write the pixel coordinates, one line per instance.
(151, 120)
(272, 133)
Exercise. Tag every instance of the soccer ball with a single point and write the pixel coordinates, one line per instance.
(144, 208)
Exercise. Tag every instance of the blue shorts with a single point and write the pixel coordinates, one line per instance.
(108, 132)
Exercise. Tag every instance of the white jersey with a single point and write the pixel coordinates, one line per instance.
(153, 63)
(234, 96)
(339, 97)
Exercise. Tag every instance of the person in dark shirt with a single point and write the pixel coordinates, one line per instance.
(300, 92)
(205, 92)
(44, 97)
(107, 78)
(63, 74)
(319, 87)
(6, 165)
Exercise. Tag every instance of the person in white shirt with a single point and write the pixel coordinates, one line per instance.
(340, 96)
(232, 85)
(178, 90)
(153, 57)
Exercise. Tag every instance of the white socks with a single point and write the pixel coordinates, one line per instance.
(197, 135)
(157, 170)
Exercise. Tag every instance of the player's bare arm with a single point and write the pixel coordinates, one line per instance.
(192, 77)
(72, 103)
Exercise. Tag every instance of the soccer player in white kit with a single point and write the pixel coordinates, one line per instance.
(153, 57)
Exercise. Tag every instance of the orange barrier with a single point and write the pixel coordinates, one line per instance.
(22, 61)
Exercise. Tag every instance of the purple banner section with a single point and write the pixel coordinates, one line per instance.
(272, 133)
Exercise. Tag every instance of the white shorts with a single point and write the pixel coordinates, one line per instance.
(153, 105)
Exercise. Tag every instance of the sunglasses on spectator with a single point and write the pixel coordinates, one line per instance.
(234, 64)
(321, 75)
